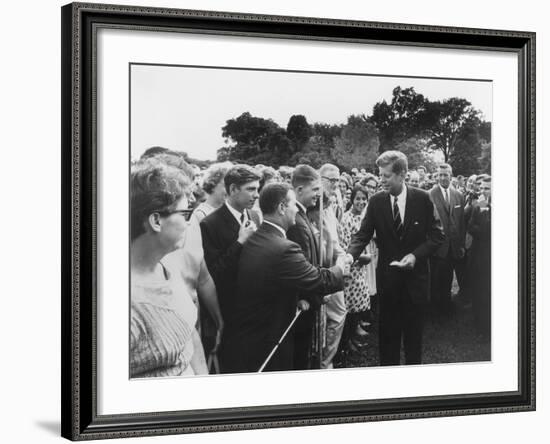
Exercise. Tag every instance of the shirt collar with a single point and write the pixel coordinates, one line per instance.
(276, 226)
(401, 197)
(235, 213)
(301, 207)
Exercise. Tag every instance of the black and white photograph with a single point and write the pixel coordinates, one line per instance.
(303, 221)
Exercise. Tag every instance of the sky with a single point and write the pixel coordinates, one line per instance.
(184, 108)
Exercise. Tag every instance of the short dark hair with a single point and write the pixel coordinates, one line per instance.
(304, 175)
(272, 195)
(154, 187)
(396, 159)
(368, 177)
(358, 189)
(445, 166)
(239, 175)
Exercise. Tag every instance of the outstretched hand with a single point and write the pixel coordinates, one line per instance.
(407, 263)
(364, 259)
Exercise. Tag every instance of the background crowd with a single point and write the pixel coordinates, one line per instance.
(224, 258)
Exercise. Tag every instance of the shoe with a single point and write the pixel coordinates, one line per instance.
(359, 332)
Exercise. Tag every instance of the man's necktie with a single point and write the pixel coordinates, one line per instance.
(447, 201)
(242, 218)
(397, 222)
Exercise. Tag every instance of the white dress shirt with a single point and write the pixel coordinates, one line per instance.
(446, 192)
(276, 226)
(401, 202)
(236, 214)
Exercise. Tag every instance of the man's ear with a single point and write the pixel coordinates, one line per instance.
(154, 222)
(233, 187)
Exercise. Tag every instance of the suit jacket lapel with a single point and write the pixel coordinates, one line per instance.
(314, 254)
(408, 210)
(230, 219)
(308, 223)
(443, 201)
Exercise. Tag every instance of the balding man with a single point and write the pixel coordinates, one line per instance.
(273, 273)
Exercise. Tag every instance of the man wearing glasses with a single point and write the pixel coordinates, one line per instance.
(335, 303)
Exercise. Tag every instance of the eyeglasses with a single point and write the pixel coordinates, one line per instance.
(332, 180)
(185, 213)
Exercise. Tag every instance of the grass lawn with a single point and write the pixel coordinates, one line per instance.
(446, 339)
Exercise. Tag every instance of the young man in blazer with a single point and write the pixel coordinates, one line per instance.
(407, 233)
(449, 257)
(306, 183)
(273, 273)
(224, 232)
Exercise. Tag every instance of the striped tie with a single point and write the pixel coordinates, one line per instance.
(397, 223)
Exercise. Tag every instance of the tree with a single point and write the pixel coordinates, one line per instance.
(418, 153)
(357, 146)
(315, 153)
(403, 118)
(485, 158)
(467, 150)
(248, 138)
(298, 131)
(445, 120)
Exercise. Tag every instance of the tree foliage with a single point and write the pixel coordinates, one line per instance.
(357, 145)
(418, 153)
(409, 122)
(446, 119)
(401, 119)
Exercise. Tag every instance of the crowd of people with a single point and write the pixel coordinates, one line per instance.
(238, 268)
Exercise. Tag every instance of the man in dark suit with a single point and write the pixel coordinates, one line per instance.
(306, 183)
(273, 271)
(224, 232)
(407, 233)
(449, 257)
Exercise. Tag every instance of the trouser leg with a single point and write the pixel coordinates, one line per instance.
(336, 316)
(302, 340)
(413, 323)
(389, 331)
(442, 280)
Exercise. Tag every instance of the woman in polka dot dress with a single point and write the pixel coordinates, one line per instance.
(356, 292)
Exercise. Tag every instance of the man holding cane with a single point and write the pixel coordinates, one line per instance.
(273, 271)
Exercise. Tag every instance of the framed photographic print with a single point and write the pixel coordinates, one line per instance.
(277, 221)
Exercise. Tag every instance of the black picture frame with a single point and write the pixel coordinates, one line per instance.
(80, 420)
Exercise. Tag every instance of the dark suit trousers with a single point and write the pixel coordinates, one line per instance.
(303, 330)
(442, 270)
(400, 318)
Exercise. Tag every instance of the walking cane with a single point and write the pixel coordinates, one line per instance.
(298, 313)
(319, 328)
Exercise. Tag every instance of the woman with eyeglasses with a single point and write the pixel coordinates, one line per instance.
(163, 338)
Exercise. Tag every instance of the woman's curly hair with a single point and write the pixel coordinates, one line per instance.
(154, 187)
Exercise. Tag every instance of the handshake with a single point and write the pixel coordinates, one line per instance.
(344, 262)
